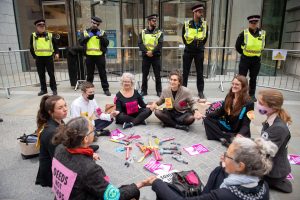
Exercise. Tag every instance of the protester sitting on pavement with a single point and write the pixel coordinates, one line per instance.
(52, 111)
(74, 154)
(276, 129)
(86, 106)
(130, 104)
(243, 165)
(234, 116)
(180, 108)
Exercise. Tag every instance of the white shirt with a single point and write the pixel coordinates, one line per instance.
(82, 107)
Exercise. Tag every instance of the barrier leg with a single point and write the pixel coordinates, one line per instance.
(221, 86)
(7, 93)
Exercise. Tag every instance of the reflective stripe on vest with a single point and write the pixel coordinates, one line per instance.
(150, 40)
(93, 45)
(253, 45)
(42, 46)
(193, 33)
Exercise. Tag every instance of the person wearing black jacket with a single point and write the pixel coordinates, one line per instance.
(240, 177)
(74, 153)
(42, 47)
(95, 42)
(249, 44)
(194, 37)
(150, 43)
(53, 110)
(234, 116)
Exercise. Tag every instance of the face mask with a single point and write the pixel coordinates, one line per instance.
(90, 97)
(263, 109)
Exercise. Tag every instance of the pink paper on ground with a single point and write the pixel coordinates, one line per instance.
(157, 167)
(116, 134)
(289, 176)
(196, 149)
(294, 159)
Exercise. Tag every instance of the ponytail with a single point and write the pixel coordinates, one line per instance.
(285, 116)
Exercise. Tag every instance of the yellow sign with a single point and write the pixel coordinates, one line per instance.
(168, 103)
(279, 54)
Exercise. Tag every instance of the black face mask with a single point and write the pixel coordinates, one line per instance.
(90, 97)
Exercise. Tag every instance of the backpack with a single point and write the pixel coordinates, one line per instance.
(215, 106)
(186, 183)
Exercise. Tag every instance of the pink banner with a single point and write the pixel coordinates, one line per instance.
(132, 107)
(196, 149)
(157, 167)
(294, 159)
(63, 180)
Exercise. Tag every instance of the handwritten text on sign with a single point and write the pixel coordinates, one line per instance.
(63, 180)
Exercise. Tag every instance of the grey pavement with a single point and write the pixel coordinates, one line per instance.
(17, 176)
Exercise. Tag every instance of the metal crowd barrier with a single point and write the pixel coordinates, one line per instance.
(17, 68)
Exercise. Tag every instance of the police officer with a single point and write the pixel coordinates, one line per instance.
(194, 36)
(42, 47)
(150, 43)
(95, 42)
(249, 44)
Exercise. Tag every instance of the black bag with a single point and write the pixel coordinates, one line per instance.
(28, 147)
(186, 183)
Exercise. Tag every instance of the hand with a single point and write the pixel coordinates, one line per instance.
(56, 56)
(149, 54)
(114, 113)
(96, 156)
(98, 33)
(152, 107)
(91, 34)
(198, 115)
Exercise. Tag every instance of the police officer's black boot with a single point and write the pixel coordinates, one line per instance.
(107, 93)
(42, 92)
(201, 95)
(143, 93)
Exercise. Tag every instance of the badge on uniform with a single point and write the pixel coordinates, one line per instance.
(265, 135)
(168, 102)
(250, 114)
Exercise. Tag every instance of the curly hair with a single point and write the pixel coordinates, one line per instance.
(177, 73)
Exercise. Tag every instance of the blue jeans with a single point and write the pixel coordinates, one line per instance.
(101, 124)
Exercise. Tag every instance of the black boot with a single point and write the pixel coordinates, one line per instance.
(182, 127)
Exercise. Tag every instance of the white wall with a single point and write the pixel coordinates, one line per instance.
(8, 32)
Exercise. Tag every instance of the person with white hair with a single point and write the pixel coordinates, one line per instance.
(244, 165)
(130, 104)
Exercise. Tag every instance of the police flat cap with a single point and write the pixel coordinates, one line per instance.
(96, 19)
(153, 16)
(253, 18)
(198, 7)
(39, 20)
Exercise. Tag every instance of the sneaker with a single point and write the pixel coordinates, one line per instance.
(54, 92)
(144, 122)
(107, 93)
(42, 92)
(158, 94)
(224, 142)
(127, 125)
(201, 95)
(143, 93)
(103, 132)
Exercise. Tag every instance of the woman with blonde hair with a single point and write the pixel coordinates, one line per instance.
(276, 129)
(130, 104)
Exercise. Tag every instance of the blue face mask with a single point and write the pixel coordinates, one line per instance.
(263, 109)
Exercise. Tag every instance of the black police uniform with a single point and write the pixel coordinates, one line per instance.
(148, 61)
(247, 63)
(98, 60)
(194, 50)
(44, 63)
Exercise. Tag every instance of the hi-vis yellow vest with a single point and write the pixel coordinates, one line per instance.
(150, 40)
(253, 45)
(193, 33)
(42, 45)
(93, 45)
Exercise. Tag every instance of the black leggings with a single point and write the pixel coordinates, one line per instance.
(172, 117)
(214, 131)
(136, 118)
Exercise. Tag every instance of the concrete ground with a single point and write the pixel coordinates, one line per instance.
(17, 176)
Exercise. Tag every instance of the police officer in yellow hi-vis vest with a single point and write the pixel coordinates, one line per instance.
(42, 47)
(150, 43)
(95, 42)
(194, 36)
(249, 44)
